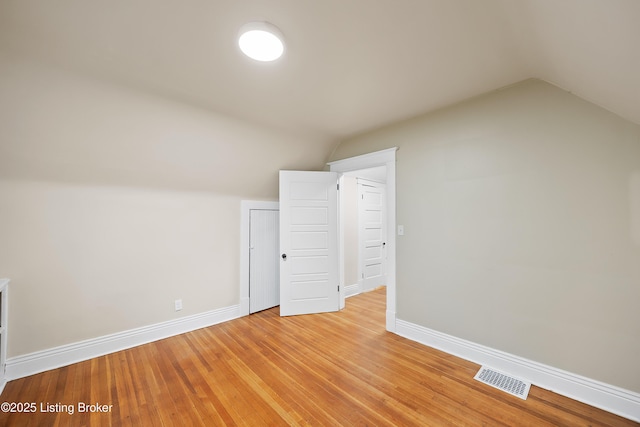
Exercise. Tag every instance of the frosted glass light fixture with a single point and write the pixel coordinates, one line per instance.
(261, 41)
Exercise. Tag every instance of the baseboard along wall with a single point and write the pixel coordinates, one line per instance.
(595, 393)
(40, 361)
(351, 290)
(592, 392)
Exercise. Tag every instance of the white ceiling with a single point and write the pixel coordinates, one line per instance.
(351, 65)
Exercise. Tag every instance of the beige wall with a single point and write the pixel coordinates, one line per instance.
(114, 203)
(521, 214)
(88, 261)
(59, 126)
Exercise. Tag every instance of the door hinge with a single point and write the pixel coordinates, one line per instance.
(338, 288)
(338, 185)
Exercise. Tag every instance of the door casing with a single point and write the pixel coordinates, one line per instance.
(379, 158)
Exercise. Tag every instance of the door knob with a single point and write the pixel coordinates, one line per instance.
(284, 256)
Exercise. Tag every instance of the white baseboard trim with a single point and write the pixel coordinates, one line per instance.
(391, 322)
(592, 392)
(245, 306)
(351, 290)
(40, 361)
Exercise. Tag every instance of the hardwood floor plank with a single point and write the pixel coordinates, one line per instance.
(339, 368)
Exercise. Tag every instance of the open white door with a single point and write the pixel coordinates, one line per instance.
(309, 263)
(372, 234)
(264, 252)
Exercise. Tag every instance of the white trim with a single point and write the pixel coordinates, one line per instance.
(380, 158)
(610, 398)
(352, 290)
(40, 361)
(364, 161)
(246, 206)
(4, 316)
(341, 230)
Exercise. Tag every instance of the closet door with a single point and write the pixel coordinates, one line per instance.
(264, 264)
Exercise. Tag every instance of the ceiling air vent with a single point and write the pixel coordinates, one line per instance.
(503, 382)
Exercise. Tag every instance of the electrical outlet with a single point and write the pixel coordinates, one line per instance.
(178, 304)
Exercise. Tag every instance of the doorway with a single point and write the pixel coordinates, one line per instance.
(363, 229)
(264, 274)
(372, 233)
(263, 215)
(385, 159)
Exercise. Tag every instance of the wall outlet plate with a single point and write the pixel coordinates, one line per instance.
(178, 304)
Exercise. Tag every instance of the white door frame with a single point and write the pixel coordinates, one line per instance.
(379, 158)
(246, 206)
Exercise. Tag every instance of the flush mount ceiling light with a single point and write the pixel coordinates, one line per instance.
(261, 41)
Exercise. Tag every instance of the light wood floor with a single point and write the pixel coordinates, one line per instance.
(323, 370)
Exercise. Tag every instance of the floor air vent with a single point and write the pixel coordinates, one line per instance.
(503, 382)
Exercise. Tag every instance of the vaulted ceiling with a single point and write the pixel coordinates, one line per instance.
(350, 65)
